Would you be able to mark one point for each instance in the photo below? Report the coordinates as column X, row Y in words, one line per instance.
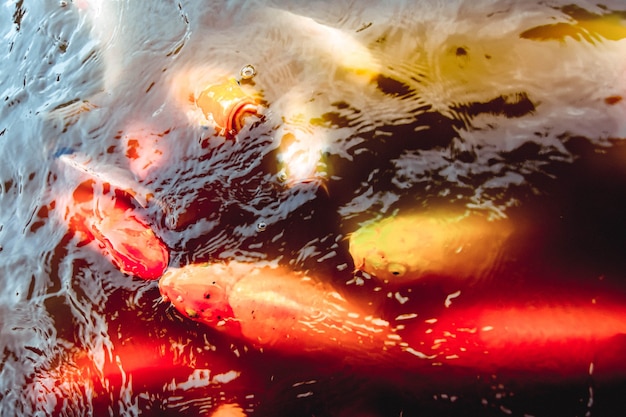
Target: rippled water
column 513, row 109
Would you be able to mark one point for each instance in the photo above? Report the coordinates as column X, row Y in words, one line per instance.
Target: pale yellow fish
column 409, row 247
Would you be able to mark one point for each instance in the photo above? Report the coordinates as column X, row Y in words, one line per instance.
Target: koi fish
column 274, row 307
column 121, row 233
column 145, row 151
column 409, row 247
column 226, row 105
column 300, row 157
column 301, row 145
column 114, row 223
column 118, row 376
column 346, row 51
column 109, row 174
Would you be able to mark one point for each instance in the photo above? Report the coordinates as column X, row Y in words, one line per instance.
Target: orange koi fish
column 274, row 307
column 131, row 374
column 94, row 210
column 226, row 105
column 557, row 336
column 119, row 230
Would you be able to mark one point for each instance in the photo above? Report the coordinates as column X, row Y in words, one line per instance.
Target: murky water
column 513, row 110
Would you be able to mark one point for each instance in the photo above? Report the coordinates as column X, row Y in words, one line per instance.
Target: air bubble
column 282, row 176
column 261, row 226
column 247, row 72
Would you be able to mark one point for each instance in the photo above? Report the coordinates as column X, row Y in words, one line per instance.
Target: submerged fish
column 106, row 173
column 301, row 157
column 286, row 311
column 274, row 307
column 556, row 334
column 94, row 210
column 410, row 247
column 121, row 232
column 227, row 105
column 128, row 371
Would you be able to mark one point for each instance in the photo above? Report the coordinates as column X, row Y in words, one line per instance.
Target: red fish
column 120, row 231
column 279, row 309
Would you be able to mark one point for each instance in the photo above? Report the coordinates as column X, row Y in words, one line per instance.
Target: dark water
column 510, row 109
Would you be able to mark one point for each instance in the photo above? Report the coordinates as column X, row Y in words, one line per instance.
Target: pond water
column 509, row 110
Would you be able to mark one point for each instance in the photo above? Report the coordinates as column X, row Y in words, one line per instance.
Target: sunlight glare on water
column 504, row 113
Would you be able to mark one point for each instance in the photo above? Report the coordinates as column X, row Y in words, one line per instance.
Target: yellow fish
column 410, row 247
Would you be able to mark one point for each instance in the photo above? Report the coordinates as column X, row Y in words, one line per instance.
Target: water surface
column 506, row 108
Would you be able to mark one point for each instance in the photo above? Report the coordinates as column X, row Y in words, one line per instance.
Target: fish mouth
column 313, row 182
column 227, row 105
column 196, row 295
column 236, row 119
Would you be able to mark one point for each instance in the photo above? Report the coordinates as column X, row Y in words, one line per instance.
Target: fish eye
column 396, row 269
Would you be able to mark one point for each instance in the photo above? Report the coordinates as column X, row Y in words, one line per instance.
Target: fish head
column 201, row 294
column 227, row 105
column 374, row 261
column 374, row 254
column 301, row 158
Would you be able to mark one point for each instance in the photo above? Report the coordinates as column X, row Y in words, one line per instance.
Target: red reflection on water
column 555, row 337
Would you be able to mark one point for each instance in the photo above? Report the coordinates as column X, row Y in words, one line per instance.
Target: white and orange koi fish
column 109, row 174
column 301, row 157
